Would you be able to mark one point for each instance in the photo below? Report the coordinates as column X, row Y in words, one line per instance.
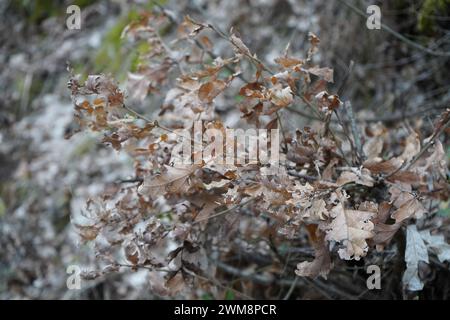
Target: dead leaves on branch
column 211, row 89
column 239, row 46
column 407, row 205
column 324, row 73
column 178, row 180
column 346, row 208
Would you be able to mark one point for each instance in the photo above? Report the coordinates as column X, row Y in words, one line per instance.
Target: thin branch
column 355, row 132
column 282, row 131
column 140, row 266
column 344, row 83
column 224, row 211
column 340, row 148
column 137, row 114
column 291, row 289
column 340, row 92
column 313, row 109
column 133, row 180
column 156, row 124
column 445, row 124
column 435, row 135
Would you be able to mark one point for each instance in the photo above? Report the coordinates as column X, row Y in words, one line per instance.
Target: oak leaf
column 407, row 205
column 281, row 97
column 208, row 91
column 173, row 180
column 351, row 228
column 325, row 73
column 415, row 252
column 357, row 176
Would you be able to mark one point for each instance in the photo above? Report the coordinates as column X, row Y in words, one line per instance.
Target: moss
column 426, row 22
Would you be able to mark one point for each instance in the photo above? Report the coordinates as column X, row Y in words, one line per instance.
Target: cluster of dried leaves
column 182, row 222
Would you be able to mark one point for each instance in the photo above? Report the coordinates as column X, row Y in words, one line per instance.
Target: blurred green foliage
column 207, row 296
column 429, row 11
column 229, row 295
column 113, row 56
column 110, row 57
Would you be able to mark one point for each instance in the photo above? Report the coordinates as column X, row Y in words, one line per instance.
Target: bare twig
column 291, row 289
column 435, row 135
column 133, row 180
column 346, row 79
column 282, row 131
column 156, row 124
column 444, row 125
column 355, row 131
column 224, row 211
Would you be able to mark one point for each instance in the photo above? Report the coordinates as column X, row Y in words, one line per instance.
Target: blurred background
column 45, row 178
